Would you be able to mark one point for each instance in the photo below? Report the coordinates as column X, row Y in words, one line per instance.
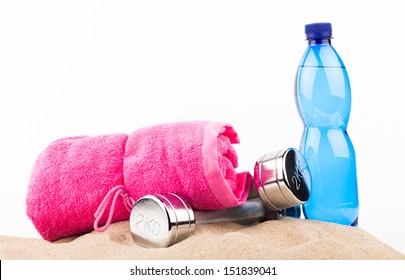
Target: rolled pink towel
column 75, row 180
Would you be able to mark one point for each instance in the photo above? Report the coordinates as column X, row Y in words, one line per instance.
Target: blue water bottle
column 324, row 99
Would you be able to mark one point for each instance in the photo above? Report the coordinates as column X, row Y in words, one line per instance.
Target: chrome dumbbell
column 281, row 180
column 163, row 220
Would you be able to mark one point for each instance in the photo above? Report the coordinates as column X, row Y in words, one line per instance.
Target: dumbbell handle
column 252, row 211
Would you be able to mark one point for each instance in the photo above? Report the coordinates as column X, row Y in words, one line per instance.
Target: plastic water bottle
column 293, row 212
column 323, row 98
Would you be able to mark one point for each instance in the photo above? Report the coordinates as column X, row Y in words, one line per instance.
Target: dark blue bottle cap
column 318, row 30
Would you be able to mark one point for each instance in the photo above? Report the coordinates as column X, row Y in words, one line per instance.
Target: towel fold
column 76, row 180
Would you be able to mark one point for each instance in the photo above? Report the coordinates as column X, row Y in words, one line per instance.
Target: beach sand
column 285, row 239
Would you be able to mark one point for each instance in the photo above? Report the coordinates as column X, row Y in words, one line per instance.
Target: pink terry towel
column 76, row 180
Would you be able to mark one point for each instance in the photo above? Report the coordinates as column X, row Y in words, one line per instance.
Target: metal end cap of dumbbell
column 282, row 179
column 158, row 221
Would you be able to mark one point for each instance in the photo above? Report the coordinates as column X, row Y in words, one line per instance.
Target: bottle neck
column 320, row 41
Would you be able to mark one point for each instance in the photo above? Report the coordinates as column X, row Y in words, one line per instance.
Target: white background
column 72, row 68
column 285, row 269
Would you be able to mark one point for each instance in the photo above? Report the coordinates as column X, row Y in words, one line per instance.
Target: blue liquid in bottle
column 293, row 212
column 323, row 98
